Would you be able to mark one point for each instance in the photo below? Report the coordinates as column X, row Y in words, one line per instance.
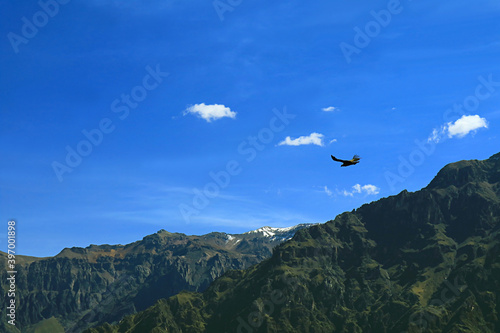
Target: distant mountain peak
column 272, row 230
column 267, row 231
column 281, row 234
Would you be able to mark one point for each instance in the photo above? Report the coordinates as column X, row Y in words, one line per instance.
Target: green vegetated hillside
column 50, row 325
column 427, row 261
column 83, row 287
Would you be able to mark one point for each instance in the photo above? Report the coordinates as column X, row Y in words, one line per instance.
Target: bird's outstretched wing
column 337, row 160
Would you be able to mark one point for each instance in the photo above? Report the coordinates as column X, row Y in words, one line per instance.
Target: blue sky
column 208, row 116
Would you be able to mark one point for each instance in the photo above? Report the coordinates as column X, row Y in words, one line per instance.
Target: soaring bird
column 355, row 160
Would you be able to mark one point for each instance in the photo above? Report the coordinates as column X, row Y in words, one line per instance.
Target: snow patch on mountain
column 279, row 234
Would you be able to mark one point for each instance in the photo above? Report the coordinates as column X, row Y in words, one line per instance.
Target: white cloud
column 371, row 189
column 459, row 128
column 357, row 188
column 327, row 191
column 210, row 112
column 465, row 125
column 332, row 141
column 312, row 139
column 436, row 135
column 366, row 189
column 330, row 109
column 350, row 194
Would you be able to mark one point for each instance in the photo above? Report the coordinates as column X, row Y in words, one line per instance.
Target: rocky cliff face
column 427, row 261
column 82, row 287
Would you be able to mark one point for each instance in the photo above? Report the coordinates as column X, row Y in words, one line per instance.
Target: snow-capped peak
column 279, row 233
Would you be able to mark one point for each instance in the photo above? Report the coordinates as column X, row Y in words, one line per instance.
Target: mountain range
column 426, row 261
column 84, row 287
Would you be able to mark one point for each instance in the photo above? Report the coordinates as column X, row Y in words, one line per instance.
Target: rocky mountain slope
column 82, row 287
column 427, row 261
